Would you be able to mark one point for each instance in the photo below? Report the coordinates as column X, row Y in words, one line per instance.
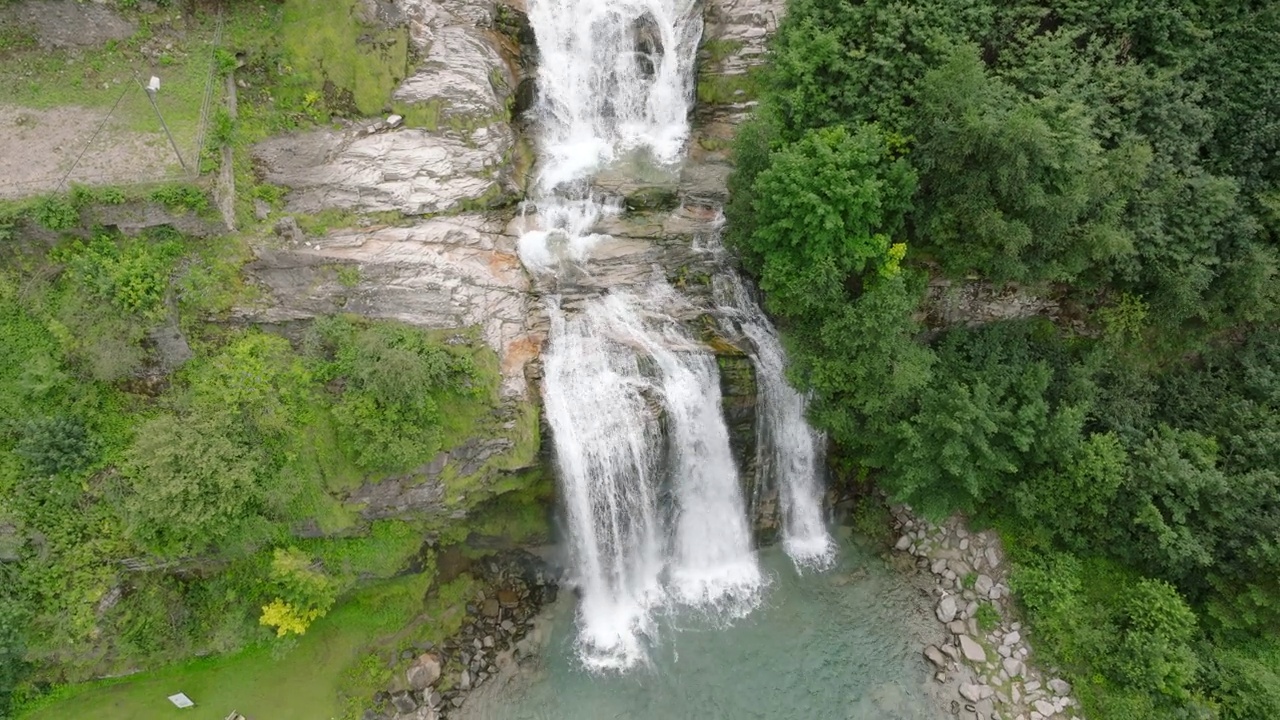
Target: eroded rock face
column 977, row 302
column 442, row 273
column 464, row 73
column 735, row 43
column 460, row 155
column 411, row 170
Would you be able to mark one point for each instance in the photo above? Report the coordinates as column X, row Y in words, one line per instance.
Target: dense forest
column 1121, row 161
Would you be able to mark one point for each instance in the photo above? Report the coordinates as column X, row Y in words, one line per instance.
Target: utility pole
column 151, row 95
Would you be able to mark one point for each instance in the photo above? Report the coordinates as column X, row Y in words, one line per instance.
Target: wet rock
column 935, row 656
column 651, row 198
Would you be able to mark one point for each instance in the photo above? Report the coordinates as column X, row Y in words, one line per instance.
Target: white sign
column 153, row 86
column 181, row 700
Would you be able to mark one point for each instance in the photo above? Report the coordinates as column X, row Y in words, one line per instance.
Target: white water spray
column 614, row 76
column 654, row 505
column 609, row 371
column 789, row 450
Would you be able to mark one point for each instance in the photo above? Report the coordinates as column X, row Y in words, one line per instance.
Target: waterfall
column 654, row 505
column 789, row 450
column 608, row 370
column 613, row 76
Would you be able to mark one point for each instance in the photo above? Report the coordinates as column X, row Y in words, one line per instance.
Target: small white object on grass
column 181, row 700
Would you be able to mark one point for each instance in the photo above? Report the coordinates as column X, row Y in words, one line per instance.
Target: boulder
column 935, row 656
column 424, row 672
column 946, row 609
column 971, row 650
column 983, row 585
column 972, row 692
column 404, row 702
column 1060, row 687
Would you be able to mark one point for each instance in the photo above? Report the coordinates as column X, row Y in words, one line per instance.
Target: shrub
column 303, row 593
column 182, row 197
column 57, row 213
column 54, row 446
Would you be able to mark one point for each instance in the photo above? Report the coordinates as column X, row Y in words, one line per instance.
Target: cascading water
column 601, row 402
column 789, row 450
column 655, row 510
column 613, row 76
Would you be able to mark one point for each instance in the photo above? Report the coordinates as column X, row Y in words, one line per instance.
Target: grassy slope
column 298, row 686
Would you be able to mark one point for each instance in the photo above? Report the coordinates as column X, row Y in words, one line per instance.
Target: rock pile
column 985, row 644
column 516, row 585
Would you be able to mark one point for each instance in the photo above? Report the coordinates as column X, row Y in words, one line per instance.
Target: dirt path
column 38, row 147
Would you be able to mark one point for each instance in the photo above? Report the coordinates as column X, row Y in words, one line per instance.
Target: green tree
column 55, row 445
column 302, row 592
column 191, row 487
column 1154, row 650
column 1015, row 187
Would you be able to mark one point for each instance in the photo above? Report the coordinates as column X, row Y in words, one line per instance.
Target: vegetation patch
column 295, row 680
column 1128, row 445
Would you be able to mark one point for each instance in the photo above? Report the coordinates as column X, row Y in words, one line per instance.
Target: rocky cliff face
column 449, row 263
column 463, row 152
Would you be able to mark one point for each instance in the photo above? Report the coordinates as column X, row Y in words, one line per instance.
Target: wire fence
column 122, row 172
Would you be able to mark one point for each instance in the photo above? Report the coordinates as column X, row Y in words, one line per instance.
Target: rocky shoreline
column 984, row 655
column 515, row 586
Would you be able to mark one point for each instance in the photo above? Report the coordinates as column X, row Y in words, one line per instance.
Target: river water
column 844, row 644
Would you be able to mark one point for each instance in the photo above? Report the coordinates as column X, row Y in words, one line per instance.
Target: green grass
column 716, row 89
column 325, row 42
column 300, row 683
column 98, row 78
